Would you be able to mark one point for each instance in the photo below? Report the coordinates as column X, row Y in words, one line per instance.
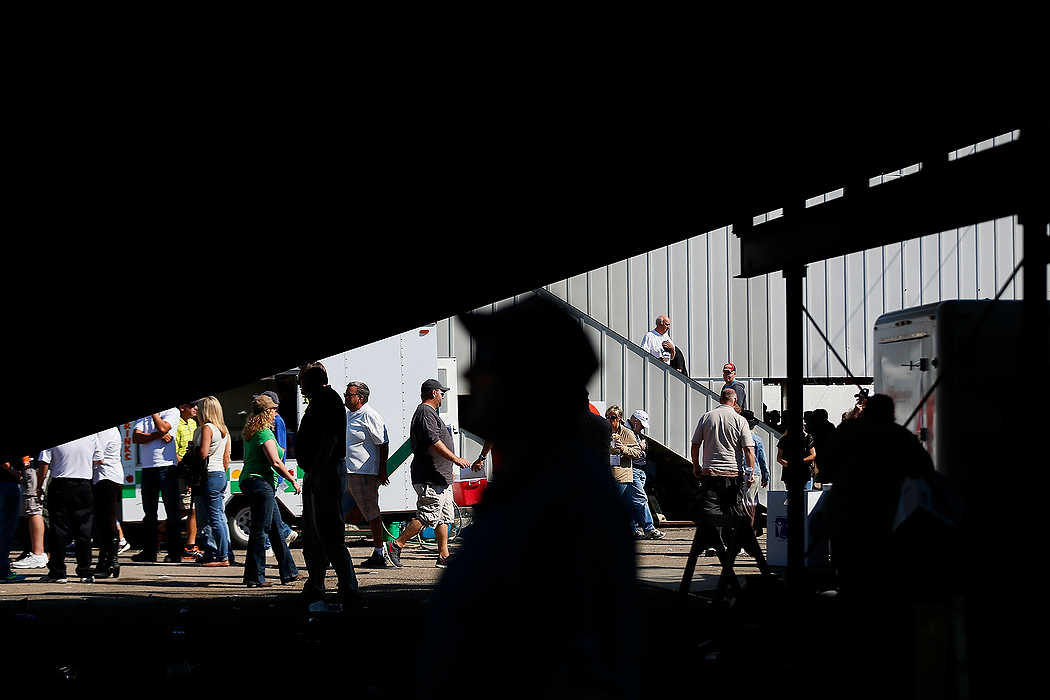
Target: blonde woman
column 623, row 449
column 262, row 464
column 212, row 442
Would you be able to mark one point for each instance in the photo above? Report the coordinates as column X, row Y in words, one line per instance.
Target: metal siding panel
column 968, row 262
column 758, row 327
column 677, row 433
column 679, row 302
column 658, row 301
column 594, row 385
column 912, row 271
column 1019, row 253
column 874, row 305
column 699, row 323
column 444, row 338
column 618, row 298
column 718, row 273
column 836, row 303
column 856, row 328
column 503, row 304
column 816, row 302
column 598, row 281
column 777, row 327
column 931, row 269
column 1005, row 260
column 893, row 279
column 949, row 264
column 986, row 287
column 577, row 286
column 613, row 372
column 654, row 402
column 638, row 298
column 635, row 395
column 559, row 289
column 464, row 351
column 739, row 313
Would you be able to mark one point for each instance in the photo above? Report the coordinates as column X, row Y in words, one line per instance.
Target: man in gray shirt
column 432, row 473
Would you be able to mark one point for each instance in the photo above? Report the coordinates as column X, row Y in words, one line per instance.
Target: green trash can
column 393, row 532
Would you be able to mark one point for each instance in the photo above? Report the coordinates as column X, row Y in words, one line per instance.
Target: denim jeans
column 262, row 503
column 213, row 532
column 281, row 526
column 624, row 492
column 161, row 482
column 10, row 496
column 639, row 502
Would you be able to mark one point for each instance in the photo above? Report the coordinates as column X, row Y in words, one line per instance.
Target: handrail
column 633, row 347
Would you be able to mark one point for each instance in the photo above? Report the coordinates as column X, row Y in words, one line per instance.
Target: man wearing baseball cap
column 432, row 475
column 729, row 375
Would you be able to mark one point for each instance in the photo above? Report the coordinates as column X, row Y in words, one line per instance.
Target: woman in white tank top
column 212, row 439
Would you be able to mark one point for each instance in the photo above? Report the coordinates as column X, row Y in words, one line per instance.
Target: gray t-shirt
column 428, row 428
column 722, row 433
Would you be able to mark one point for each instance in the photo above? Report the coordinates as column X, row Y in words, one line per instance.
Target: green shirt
column 183, row 434
column 256, row 464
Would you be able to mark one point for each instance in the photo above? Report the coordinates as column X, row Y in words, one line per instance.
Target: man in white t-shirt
column 155, row 436
column 70, row 506
column 657, row 342
column 107, row 481
column 367, row 448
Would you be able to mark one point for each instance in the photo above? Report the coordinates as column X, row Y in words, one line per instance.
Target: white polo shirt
column 158, row 453
column 365, row 431
column 71, row 460
column 107, row 450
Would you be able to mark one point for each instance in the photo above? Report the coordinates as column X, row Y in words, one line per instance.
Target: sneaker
column 173, row 559
column 12, row 577
column 144, row 557
column 376, row 561
column 638, row 534
column 52, row 579
column 654, row 534
column 290, row 538
column 33, row 561
column 87, row 579
column 123, row 546
column 394, row 552
column 192, row 554
column 442, row 562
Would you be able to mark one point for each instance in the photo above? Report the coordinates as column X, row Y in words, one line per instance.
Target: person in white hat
column 643, row 518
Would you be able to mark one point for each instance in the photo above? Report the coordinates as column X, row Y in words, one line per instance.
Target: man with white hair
column 657, row 342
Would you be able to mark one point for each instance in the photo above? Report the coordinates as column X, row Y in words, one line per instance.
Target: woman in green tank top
column 262, row 463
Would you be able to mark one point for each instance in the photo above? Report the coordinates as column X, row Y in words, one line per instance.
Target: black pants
column 71, row 507
column 161, row 483
column 107, row 505
column 324, row 534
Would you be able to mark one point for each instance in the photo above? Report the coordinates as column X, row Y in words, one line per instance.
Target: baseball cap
column 642, row 417
column 273, row 396
column 431, row 384
column 730, row 366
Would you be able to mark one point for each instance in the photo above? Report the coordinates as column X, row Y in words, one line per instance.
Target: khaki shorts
column 365, row 490
column 31, row 503
column 434, row 504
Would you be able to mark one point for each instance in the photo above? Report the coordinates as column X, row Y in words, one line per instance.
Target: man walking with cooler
column 432, row 476
column 321, row 448
column 367, row 448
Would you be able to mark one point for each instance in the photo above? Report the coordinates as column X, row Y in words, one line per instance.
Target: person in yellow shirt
column 183, row 436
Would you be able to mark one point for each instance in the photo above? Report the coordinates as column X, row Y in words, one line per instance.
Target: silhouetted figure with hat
column 553, row 502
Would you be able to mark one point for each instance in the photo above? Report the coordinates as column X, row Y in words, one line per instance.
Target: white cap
column 642, row 417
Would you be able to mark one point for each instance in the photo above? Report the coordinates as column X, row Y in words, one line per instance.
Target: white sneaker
column 87, row 579
column 33, row 561
column 123, row 546
column 48, row 579
column 290, row 538
column 270, row 554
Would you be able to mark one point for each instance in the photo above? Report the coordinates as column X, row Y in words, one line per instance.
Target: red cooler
column 468, row 492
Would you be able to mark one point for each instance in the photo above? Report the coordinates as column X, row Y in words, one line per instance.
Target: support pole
column 795, row 475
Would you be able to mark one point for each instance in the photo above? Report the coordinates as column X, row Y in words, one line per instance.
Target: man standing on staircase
column 729, row 375
column 657, row 342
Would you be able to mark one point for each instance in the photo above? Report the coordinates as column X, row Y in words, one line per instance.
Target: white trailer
column 393, row 369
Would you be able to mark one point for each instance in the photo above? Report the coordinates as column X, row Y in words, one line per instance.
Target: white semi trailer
column 393, row 369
